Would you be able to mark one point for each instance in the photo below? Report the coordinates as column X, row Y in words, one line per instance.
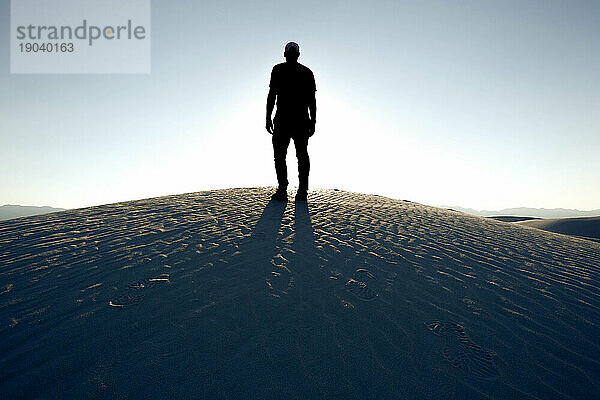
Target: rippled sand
column 223, row 294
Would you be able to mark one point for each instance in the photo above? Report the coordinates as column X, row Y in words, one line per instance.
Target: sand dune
column 224, row 294
column 511, row 218
column 585, row 227
column 529, row 212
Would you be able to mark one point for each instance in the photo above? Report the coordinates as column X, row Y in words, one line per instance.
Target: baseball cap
column 292, row 47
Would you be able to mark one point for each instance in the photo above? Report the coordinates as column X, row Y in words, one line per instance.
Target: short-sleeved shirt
column 294, row 85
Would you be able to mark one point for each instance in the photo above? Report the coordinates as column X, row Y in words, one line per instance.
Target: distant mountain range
column 529, row 212
column 10, row 211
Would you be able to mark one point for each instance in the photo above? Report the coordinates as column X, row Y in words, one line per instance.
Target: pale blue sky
column 480, row 104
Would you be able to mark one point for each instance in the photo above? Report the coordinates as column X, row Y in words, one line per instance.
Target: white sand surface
column 226, row 295
column 585, row 227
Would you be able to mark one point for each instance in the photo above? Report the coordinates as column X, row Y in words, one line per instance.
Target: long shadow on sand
column 304, row 241
column 283, row 247
column 268, row 225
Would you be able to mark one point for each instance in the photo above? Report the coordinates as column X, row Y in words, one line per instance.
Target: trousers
column 281, row 141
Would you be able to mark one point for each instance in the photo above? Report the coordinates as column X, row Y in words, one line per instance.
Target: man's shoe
column 301, row 195
column 279, row 195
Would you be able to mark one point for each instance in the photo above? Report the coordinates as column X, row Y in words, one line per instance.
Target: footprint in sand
column 136, row 291
column 460, row 351
column 281, row 279
column 360, row 290
column 363, row 275
column 280, row 282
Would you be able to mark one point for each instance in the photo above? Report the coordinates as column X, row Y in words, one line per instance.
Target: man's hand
column 269, row 125
column 311, row 128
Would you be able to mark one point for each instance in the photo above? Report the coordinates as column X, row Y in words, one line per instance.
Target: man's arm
column 270, row 106
column 312, row 107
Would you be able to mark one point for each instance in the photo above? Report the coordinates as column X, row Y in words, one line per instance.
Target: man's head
column 291, row 52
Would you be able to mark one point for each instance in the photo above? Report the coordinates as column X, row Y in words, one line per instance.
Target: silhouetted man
column 294, row 86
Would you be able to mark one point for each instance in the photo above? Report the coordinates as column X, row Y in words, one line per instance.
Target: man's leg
column 280, row 146
column 301, row 144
